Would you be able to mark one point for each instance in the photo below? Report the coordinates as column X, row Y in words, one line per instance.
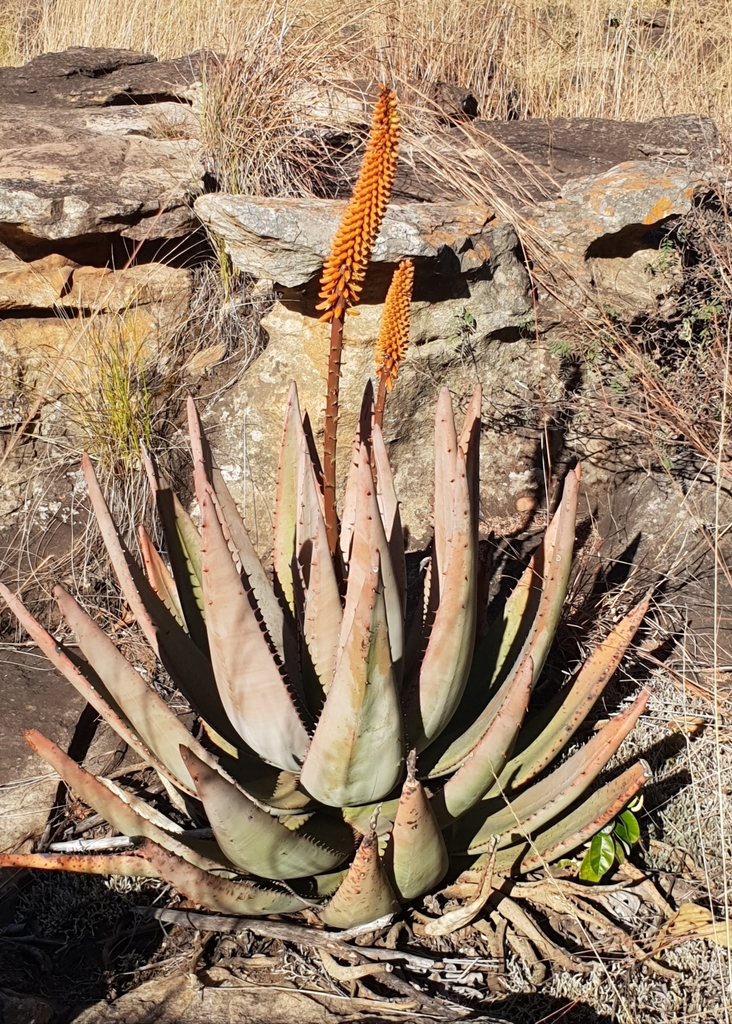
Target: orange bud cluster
column 345, row 268
column 391, row 348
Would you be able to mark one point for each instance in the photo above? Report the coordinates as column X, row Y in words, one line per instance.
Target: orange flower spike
column 346, row 266
column 391, row 347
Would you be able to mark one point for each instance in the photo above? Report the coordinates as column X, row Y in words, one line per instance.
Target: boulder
column 98, row 142
column 83, row 76
column 287, row 240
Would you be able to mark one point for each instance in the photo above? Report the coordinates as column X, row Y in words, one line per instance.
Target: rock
column 37, row 285
column 616, row 213
column 98, row 142
column 85, row 76
column 531, row 160
column 636, row 282
column 453, row 103
column 20, row 1009
column 34, row 696
column 286, row 240
column 56, row 282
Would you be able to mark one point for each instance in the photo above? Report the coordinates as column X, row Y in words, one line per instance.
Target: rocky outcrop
column 97, row 142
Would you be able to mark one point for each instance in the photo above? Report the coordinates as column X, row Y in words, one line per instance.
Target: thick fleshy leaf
column 159, row 577
column 575, row 828
column 126, row 864
column 446, row 446
column 222, row 895
column 111, row 804
column 350, row 498
column 157, row 726
column 189, row 668
column 543, row 738
column 389, row 509
column 533, row 808
column 183, row 544
column 369, row 535
column 446, row 663
column 86, row 681
column 505, row 640
column 257, row 698
column 255, row 841
column 531, row 619
column 416, row 857
column 365, row 894
column 208, row 477
column 356, row 753
column 322, row 612
column 469, row 442
column 480, row 769
column 286, row 500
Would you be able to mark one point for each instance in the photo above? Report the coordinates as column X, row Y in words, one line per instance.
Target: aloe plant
column 312, row 687
column 346, row 748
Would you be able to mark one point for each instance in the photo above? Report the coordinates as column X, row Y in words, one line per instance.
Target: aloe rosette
column 346, row 747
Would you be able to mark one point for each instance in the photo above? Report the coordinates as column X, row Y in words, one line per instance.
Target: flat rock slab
column 94, row 142
column 287, row 240
column 529, row 161
column 33, row 696
column 84, row 76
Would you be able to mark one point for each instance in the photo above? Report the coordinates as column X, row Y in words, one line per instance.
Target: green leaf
column 627, row 828
column 601, row 854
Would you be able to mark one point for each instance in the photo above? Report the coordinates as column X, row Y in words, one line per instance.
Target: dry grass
column 589, row 58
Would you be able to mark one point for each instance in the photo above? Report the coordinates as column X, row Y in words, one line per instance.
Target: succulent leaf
column 128, row 865
column 446, row 663
column 222, row 895
column 534, row 807
column 253, row 690
column 356, row 753
column 389, row 508
column 480, row 769
column 160, row 578
column 416, row 857
column 157, row 726
column 188, row 666
column 114, row 808
column 286, row 500
column 252, row 839
column 85, row 680
column 575, row 828
column 551, row 731
column 322, row 612
column 365, row 894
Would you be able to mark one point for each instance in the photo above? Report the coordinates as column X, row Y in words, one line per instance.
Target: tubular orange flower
column 391, row 348
column 345, row 268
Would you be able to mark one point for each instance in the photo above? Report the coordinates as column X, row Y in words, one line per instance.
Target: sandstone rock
column 36, row 285
column 73, row 162
column 56, row 282
column 245, row 425
column 286, row 240
column 104, row 290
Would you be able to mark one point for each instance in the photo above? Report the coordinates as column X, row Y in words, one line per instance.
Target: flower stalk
column 345, row 269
